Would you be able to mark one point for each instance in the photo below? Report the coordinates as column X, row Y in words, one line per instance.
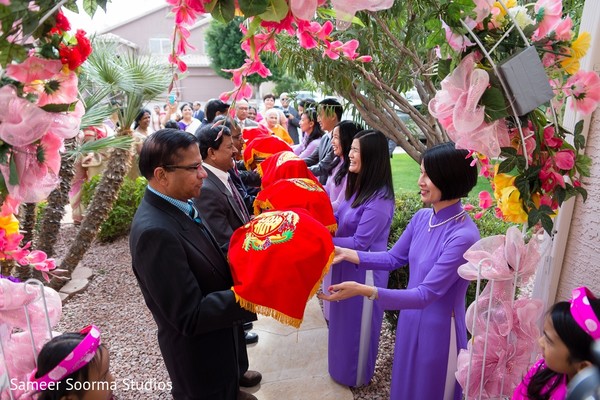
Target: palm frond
column 96, row 114
column 94, row 146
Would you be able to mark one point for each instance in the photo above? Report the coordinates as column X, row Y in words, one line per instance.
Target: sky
column 116, row 11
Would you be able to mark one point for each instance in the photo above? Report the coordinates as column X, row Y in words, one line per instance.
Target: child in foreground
column 570, row 329
column 73, row 366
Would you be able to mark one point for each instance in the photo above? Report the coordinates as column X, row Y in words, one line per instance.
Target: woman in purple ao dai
column 341, row 140
column 364, row 220
column 431, row 327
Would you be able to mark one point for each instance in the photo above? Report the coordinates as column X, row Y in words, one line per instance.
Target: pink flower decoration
column 565, row 159
column 457, row 42
column 257, row 67
column 550, row 140
column 485, row 200
column 66, row 125
column 483, row 8
column 584, row 87
column 563, row 29
column 345, row 9
column 21, row 122
column 33, row 68
column 550, row 177
column 457, row 110
column 550, row 12
column 9, row 206
column 303, row 9
column 66, row 92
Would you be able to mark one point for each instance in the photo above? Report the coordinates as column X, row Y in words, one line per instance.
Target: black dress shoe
column 248, row 326
column 251, row 337
column 250, row 379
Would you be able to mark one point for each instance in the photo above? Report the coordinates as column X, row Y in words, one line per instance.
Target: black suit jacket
column 219, row 210
column 186, row 281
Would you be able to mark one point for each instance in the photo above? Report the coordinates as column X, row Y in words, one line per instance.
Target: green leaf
column 433, row 24
column 507, row 165
column 90, row 7
column 102, row 4
column 10, row 51
column 59, row 107
column 583, row 164
column 13, row 177
column 276, row 11
column 436, row 38
column 325, row 13
column 251, row 8
column 547, row 223
column 72, row 6
column 578, row 128
column 533, row 216
column 443, row 68
column 495, row 105
column 253, row 27
column 508, row 152
column 522, row 184
column 582, row 192
column 223, row 11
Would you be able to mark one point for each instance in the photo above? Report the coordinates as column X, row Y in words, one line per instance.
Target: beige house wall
column 581, row 264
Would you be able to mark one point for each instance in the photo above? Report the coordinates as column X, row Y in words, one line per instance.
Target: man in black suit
column 221, row 205
column 183, row 275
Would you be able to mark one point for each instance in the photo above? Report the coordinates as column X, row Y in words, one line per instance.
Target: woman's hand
column 346, row 290
column 344, row 254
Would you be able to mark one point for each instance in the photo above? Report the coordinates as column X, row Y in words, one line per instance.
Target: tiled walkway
column 294, row 362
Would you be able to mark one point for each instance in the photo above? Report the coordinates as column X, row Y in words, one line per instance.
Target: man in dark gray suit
column 321, row 161
column 184, row 276
column 241, row 115
column 293, row 118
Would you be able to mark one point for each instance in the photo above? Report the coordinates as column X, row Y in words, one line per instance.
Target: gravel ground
column 114, row 302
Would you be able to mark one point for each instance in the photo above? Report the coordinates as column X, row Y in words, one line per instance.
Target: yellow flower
column 511, row 206
column 581, row 45
column 10, row 224
column 501, row 181
column 570, row 65
column 508, row 4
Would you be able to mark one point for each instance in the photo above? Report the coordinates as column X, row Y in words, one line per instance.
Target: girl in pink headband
column 570, row 329
column 73, row 366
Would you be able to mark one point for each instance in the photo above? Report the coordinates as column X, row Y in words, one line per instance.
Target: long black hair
column 375, row 172
column 346, row 132
column 317, row 132
column 53, row 352
column 578, row 342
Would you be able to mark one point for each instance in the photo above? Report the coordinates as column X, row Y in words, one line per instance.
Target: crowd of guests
column 200, row 191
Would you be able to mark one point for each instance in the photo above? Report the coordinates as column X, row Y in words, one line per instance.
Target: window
column 160, row 45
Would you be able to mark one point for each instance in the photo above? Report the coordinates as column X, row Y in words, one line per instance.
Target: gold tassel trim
column 278, row 315
column 260, row 206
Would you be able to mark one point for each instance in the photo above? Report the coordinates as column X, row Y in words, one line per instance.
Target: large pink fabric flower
column 584, row 87
column 345, row 9
column 33, row 68
column 66, row 124
column 21, row 122
column 64, row 89
column 550, row 12
column 456, row 106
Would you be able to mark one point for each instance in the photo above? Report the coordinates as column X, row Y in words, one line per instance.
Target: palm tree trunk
column 27, row 223
column 100, row 207
column 55, row 210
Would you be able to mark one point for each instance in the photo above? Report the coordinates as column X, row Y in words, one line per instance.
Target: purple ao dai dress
column 355, row 324
column 336, row 193
column 432, row 304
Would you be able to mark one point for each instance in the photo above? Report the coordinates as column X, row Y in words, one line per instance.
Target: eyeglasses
column 195, row 167
column 284, row 99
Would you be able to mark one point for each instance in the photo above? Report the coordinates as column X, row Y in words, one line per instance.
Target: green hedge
column 118, row 223
column 407, row 204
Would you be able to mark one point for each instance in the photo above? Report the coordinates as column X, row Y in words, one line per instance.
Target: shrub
column 119, row 220
column 407, row 204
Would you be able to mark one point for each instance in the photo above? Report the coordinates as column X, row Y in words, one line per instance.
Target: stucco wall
column 581, row 265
